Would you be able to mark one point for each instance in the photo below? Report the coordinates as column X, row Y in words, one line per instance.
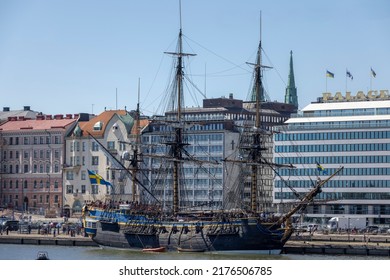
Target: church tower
column 291, row 91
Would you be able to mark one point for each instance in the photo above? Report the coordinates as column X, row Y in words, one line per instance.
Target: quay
column 339, row 244
column 39, row 239
column 332, row 244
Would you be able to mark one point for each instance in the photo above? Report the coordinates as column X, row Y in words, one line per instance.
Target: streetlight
column 48, row 185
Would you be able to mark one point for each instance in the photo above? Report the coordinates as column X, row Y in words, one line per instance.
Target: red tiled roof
column 105, row 117
column 23, row 124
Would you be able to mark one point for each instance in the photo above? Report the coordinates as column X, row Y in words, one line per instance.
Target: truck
column 344, row 223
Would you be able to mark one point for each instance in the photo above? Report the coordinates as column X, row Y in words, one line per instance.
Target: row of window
column 70, row 189
column 332, row 135
column 345, row 172
column 333, row 159
column 75, row 146
column 352, row 112
column 340, row 124
column 333, row 148
column 14, row 199
column 35, row 140
column 10, row 184
column 43, row 168
column 26, row 154
column 335, row 183
column 338, row 196
column 192, row 138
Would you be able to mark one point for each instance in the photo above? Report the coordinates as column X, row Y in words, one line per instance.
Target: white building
column 112, row 129
column 349, row 131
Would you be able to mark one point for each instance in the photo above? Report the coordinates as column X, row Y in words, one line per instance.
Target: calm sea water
column 29, row 252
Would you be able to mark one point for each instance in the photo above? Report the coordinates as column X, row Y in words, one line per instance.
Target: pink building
column 32, row 154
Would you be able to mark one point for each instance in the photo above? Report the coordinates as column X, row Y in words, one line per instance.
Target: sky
column 85, row 56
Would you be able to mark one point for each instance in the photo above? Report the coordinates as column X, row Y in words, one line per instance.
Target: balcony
column 66, row 167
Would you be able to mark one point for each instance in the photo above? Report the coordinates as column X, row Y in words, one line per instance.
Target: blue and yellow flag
column 329, row 74
column 96, row 179
column 321, row 168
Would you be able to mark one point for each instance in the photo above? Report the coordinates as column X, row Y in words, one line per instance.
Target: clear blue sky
column 63, row 56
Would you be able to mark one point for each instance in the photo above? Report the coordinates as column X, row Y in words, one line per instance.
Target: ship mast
column 255, row 149
column 134, row 162
column 177, row 144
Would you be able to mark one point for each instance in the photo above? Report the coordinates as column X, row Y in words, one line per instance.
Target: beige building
column 113, row 129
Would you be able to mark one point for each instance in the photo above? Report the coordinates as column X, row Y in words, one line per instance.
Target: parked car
column 370, row 229
column 11, row 225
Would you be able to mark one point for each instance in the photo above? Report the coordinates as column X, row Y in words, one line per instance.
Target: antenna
column 260, row 25
column 205, row 80
column 116, row 98
column 180, row 12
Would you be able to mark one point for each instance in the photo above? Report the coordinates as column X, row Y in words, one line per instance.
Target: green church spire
column 291, row 96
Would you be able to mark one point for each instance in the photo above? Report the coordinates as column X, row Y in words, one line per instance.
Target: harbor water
column 29, row 252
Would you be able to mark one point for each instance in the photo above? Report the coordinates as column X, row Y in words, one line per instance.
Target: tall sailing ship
column 159, row 217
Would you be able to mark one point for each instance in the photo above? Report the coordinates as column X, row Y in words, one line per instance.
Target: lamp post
column 48, row 175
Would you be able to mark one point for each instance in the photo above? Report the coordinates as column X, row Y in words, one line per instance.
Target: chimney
column 58, row 117
column 230, row 95
column 68, row 116
column 40, row 117
column 5, row 109
column 26, row 108
column 49, row 117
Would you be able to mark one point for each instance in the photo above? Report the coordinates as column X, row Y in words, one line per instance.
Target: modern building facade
column 214, row 133
column 352, row 131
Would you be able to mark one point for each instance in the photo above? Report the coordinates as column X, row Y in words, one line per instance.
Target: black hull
column 175, row 237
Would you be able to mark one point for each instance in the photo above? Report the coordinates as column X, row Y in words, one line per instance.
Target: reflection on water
column 29, row 252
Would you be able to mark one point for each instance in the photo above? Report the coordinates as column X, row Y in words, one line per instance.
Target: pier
column 339, row 244
column 333, row 244
column 40, row 239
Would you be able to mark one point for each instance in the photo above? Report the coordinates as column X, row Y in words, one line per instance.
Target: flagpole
column 326, row 83
column 346, row 81
column 370, row 81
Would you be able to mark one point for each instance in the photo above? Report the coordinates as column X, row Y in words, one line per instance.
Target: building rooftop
column 41, row 123
column 26, row 112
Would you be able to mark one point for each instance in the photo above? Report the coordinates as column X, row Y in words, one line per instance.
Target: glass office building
column 348, row 131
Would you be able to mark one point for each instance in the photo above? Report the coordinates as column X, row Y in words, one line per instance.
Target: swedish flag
column 96, row 179
column 321, row 168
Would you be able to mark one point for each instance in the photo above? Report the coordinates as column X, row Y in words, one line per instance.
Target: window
column 69, row 175
column 98, row 126
column 69, row 189
column 110, row 145
column 83, row 175
column 95, row 147
column 95, row 160
column 94, row 189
